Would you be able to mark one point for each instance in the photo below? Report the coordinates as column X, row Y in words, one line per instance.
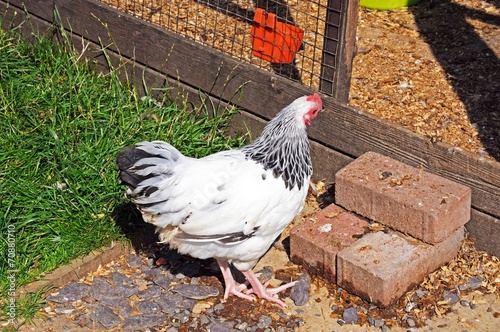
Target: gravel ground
column 135, row 294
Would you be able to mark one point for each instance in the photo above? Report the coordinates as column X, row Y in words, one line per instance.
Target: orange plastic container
column 274, row 41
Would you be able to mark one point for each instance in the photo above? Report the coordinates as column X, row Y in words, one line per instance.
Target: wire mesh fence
column 296, row 39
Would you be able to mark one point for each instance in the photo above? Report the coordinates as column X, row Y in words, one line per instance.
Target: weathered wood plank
column 485, row 229
column 41, row 9
column 14, row 17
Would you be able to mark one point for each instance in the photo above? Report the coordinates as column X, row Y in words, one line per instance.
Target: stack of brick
column 426, row 215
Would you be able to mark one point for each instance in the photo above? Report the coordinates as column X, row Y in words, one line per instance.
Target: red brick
column 410, row 200
column 315, row 243
column 380, row 267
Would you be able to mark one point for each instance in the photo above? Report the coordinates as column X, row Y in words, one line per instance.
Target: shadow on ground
column 472, row 66
column 144, row 240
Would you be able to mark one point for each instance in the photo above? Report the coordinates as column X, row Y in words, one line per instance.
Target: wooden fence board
column 14, row 17
column 354, row 132
column 485, row 229
column 340, row 133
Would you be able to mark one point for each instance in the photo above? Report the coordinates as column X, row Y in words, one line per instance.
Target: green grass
column 61, row 126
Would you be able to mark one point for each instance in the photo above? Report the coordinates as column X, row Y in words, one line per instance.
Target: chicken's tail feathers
column 144, row 161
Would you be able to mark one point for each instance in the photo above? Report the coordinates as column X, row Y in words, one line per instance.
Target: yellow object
column 387, row 4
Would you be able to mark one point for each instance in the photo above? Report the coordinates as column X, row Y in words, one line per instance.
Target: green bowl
column 387, row 4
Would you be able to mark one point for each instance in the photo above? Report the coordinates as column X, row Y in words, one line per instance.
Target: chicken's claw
column 263, row 292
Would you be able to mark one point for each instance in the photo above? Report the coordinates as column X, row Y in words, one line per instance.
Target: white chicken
column 230, row 205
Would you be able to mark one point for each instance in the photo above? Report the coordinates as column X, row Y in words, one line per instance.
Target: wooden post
column 338, row 48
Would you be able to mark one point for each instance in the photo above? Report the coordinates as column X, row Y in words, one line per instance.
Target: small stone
column 475, row 282
column 264, row 321
column 148, row 307
column 282, row 315
column 127, row 290
column 334, row 307
column 420, row 293
column 106, row 316
column 219, row 306
column 220, row 327
column 241, row 326
column 134, row 261
column 265, row 274
column 150, row 262
column 463, row 287
column 150, row 272
column 375, row 322
column 350, row 315
column 340, row 322
column 384, row 328
column 163, row 281
column 170, row 303
column 300, row 291
column 197, row 292
column 150, row 292
column 473, row 306
column 204, row 320
column 410, row 322
column 120, row 278
column 64, row 310
column 126, row 310
column 142, row 321
column 363, row 309
column 409, row 306
column 101, row 289
column 69, row 293
column 490, row 309
column 450, row 297
column 464, row 303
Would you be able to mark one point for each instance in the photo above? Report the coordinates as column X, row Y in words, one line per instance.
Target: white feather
column 216, row 196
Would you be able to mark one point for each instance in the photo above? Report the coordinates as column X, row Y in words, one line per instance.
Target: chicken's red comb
column 315, row 98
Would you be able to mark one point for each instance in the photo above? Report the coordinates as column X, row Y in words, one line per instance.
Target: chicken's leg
column 263, row 292
column 230, row 284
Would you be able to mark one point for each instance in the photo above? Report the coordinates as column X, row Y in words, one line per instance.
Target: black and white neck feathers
column 283, row 147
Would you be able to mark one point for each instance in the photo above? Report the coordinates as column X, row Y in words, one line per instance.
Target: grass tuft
column 61, row 126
